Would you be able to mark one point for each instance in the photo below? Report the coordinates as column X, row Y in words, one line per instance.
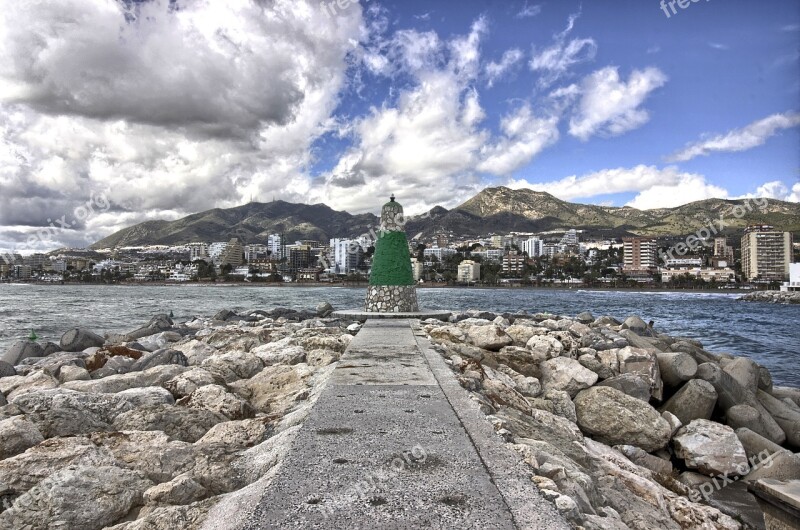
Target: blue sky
column 157, row 109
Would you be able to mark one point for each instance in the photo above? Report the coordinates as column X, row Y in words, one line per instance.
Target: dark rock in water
column 79, row 339
column 50, row 348
column 324, row 309
column 632, row 384
column 585, row 318
column 638, row 326
column 225, row 314
column 607, row 321
column 7, row 369
column 158, row 358
column 21, row 350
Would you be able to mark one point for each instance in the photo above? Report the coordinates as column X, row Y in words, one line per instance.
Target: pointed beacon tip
column 392, row 197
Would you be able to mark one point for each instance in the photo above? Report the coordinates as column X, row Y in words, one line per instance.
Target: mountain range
column 494, row 210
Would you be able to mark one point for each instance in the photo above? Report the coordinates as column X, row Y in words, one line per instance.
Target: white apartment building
column 346, row 255
column 533, row 247
column 440, row 253
column 469, row 271
column 274, row 243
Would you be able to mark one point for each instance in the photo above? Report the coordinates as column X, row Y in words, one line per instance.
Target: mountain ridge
column 493, row 210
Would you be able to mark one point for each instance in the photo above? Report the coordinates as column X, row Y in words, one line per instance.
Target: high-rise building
column 639, row 253
column 299, row 257
column 416, row 269
column 234, row 253
column 275, row 246
column 347, row 254
column 469, row 271
column 533, row 247
column 255, row 251
column 198, row 251
column 513, row 263
column 766, row 253
column 216, row 250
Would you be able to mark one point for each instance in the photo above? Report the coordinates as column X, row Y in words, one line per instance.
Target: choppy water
column 768, row 333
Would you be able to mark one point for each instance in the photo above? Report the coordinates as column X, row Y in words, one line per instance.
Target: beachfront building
column 347, row 254
column 469, row 271
column 532, row 247
column 233, row 255
column 794, row 278
column 640, row 254
column 725, row 275
column 766, row 254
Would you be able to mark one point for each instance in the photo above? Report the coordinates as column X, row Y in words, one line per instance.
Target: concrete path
column 395, row 442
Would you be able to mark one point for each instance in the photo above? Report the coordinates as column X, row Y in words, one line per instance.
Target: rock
column 73, row 373
column 745, row 372
column 179, row 423
column 632, row 384
column 756, row 445
column 695, row 400
column 115, row 365
column 244, row 433
column 49, row 348
column 674, row 422
column 764, row 379
column 275, row 389
column 520, row 360
column 786, row 417
column 216, row 399
column 354, row 328
column 561, row 404
column 189, row 381
column 618, row 419
column 158, row 341
column 785, row 392
column 21, row 350
column 321, row 357
column 743, row 416
column 502, row 394
column 637, row 325
column 116, row 383
column 234, row 366
column 592, row 362
column 521, row 334
column 644, row 362
column 448, row 334
column 545, row 347
column 7, row 369
column 16, row 435
column 183, row 489
column 160, row 358
column 585, row 318
column 3, row 402
column 778, row 466
column 731, row 393
column 277, row 353
column 225, row 314
column 79, row 339
column 490, row 337
column 324, row 309
column 563, row 373
column 196, row 351
column 711, row 448
column 89, row 498
column 541, row 425
column 16, row 386
column 676, row 368
column 641, row 458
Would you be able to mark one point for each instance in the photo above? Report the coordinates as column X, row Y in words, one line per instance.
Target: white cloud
column 776, row 189
column 719, row 46
column 610, row 106
column 655, row 187
column 554, row 61
column 753, row 135
column 495, row 71
column 524, row 136
column 172, row 110
column 528, row 11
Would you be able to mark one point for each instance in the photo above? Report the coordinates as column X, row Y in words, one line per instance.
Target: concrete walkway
column 395, row 442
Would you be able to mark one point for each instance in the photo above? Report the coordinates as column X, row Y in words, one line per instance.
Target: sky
column 114, row 112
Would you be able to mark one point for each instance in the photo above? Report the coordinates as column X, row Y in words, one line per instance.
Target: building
column 513, row 263
column 36, row 261
column 684, row 262
column 722, row 250
column 347, row 255
column 725, row 275
column 416, row 269
column 275, row 246
column 439, row 252
column 22, row 272
column 532, row 247
column 233, row 255
column 794, row 278
column 469, row 271
column 255, row 251
column 198, row 251
column 570, row 238
column 299, row 257
column 640, row 254
column 766, row 254
column 215, row 251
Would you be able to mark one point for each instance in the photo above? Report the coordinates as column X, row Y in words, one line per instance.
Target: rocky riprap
column 773, row 297
column 624, row 427
column 153, row 428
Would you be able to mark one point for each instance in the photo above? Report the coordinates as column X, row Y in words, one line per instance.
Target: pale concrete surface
column 395, row 442
column 362, row 316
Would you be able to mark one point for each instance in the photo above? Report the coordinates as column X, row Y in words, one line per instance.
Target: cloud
column 554, row 61
column 172, row 110
column 528, row 11
column 495, row 71
column 776, row 189
column 718, row 46
column 748, row 137
column 524, row 136
column 655, row 187
column 610, row 106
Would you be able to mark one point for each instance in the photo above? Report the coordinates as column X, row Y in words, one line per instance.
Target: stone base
column 391, row 299
column 363, row 316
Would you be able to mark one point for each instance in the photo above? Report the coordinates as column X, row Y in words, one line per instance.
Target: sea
column 767, row 333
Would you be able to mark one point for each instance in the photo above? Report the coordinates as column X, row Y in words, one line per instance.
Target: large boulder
column 563, row 373
column 234, row 365
column 695, row 400
column 324, row 309
column 179, row 423
column 216, row 399
column 116, row 383
column 676, row 368
column 159, row 358
column 243, row 433
column 642, row 362
column 731, row 393
column 276, row 389
column 19, row 351
column 615, row 418
column 786, row 417
column 745, row 371
column 632, row 384
column 711, row 448
column 545, row 347
column 79, row 339
column 89, row 498
column 189, row 381
column 491, row 337
column 16, row 435
column 7, row 369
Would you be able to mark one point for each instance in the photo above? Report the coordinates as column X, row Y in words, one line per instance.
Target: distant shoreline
column 365, row 284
